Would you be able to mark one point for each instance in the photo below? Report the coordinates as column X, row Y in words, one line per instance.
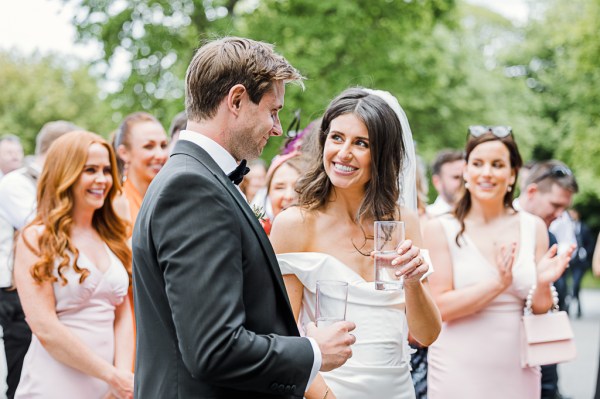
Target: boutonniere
column 259, row 212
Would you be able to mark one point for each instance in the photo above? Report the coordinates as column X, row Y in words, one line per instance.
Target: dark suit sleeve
column 197, row 233
column 552, row 239
column 589, row 242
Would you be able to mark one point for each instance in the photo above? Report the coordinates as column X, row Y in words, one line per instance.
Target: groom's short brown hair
column 221, row 64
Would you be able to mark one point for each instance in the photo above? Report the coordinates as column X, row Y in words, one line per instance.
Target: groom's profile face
column 259, row 122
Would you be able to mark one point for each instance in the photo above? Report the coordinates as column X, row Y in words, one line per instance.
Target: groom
column 213, row 317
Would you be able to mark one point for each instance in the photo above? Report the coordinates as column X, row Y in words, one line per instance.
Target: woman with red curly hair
column 71, row 278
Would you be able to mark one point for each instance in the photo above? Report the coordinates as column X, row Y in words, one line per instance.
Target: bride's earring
column 509, row 189
column 467, row 185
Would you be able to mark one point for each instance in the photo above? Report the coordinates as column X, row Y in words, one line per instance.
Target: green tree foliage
column 559, row 57
column 396, row 46
column 421, row 51
column 158, row 37
column 449, row 63
column 38, row 89
column 433, row 55
column 400, row 46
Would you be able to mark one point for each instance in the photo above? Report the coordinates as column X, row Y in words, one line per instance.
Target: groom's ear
column 235, row 98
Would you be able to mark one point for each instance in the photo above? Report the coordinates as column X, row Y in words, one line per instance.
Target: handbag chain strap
column 529, row 300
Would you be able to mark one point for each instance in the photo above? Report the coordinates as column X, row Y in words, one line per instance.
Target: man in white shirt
column 447, row 178
column 548, row 192
column 6, row 235
column 11, row 158
column 563, row 228
column 18, row 189
column 17, row 208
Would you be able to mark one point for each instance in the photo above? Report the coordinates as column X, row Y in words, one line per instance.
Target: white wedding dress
column 380, row 364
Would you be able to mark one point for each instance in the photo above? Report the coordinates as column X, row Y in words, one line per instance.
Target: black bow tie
column 238, row 173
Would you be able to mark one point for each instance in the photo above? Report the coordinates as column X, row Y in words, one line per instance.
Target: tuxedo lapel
column 198, row 153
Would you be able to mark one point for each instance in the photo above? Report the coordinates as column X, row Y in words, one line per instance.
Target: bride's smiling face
column 346, row 153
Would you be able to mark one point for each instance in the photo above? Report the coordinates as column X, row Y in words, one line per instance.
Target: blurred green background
column 450, row 64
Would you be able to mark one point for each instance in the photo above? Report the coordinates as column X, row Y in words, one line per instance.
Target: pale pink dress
column 478, row 356
column 88, row 310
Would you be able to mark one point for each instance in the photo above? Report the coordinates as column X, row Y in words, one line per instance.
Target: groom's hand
column 334, row 342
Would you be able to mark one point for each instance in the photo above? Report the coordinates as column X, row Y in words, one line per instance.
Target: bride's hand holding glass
column 409, row 263
column 412, row 264
column 415, row 276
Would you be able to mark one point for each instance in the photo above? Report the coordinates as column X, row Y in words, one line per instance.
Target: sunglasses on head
column 498, row 131
column 557, row 172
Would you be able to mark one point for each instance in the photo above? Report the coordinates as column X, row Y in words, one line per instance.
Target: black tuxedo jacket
column 213, row 317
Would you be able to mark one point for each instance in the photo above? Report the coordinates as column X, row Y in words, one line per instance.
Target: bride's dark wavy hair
column 382, row 191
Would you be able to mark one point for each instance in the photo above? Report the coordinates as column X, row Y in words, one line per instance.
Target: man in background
column 523, row 176
column 548, row 192
column 17, row 208
column 582, row 259
column 11, row 154
column 447, row 178
column 11, row 158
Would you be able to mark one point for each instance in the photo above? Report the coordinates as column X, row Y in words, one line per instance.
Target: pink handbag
column 546, row 338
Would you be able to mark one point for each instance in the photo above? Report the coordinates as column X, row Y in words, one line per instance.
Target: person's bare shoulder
column 542, row 238
column 541, row 230
column 27, row 248
column 291, row 230
column 433, row 229
column 412, row 225
column 31, row 233
column 121, row 207
column 408, row 215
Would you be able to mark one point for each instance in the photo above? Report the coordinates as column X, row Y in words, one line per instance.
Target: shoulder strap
column 451, row 227
column 528, row 231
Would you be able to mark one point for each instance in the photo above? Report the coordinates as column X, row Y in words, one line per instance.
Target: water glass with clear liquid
column 388, row 235
column 332, row 298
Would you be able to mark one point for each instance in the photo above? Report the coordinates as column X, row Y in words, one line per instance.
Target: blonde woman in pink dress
column 487, row 257
column 71, row 278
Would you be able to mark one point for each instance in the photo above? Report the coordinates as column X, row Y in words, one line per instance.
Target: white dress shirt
column 18, row 193
column 439, row 207
column 3, row 367
column 7, row 234
column 17, row 208
column 227, row 163
column 563, row 228
column 219, row 154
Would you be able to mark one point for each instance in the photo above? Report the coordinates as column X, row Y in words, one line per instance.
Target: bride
column 329, row 236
